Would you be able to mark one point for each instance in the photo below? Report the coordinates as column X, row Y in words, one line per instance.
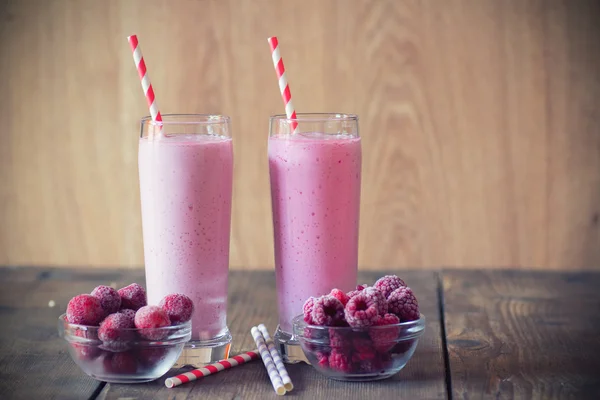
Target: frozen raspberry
column 179, row 308
column 129, row 313
column 361, row 311
column 403, row 347
column 85, row 309
column 307, row 310
column 363, row 349
column 133, row 297
column 387, row 284
column 120, row 363
column 109, row 298
column 341, row 296
column 403, row 303
column 85, row 349
column 339, row 340
column 322, row 359
column 148, row 319
column 371, row 365
column 379, row 299
column 151, row 356
column 115, row 331
column 385, row 338
column 327, row 311
column 359, row 288
column 339, row 361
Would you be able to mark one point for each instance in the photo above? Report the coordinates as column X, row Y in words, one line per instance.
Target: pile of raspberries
column 123, row 316
column 368, row 348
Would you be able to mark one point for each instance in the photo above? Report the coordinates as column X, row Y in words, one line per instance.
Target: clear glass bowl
column 358, row 354
column 132, row 358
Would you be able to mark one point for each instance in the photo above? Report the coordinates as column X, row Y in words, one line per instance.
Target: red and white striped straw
column 211, row 369
column 138, row 58
column 284, row 88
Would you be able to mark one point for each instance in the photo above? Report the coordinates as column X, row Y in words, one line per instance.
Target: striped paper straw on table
column 268, row 361
column 140, row 64
column 284, row 88
column 211, row 369
column 287, row 382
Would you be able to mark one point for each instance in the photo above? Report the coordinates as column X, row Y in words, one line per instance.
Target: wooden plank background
column 480, row 122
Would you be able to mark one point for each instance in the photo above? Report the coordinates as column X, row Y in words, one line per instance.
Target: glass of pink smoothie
column 315, row 173
column 186, row 173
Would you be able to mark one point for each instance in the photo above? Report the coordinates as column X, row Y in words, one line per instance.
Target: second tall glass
column 315, row 172
column 186, row 173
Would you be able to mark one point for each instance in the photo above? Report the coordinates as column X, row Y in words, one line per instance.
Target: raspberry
column 307, row 310
column 403, row 303
column 133, row 296
column 148, row 318
column 387, row 284
column 359, row 288
column 129, row 313
column 85, row 350
column 151, row 356
column 178, row 307
column 385, row 338
column 109, row 298
column 85, row 309
column 339, row 361
column 339, row 340
column 115, row 331
column 322, row 359
column 120, row 363
column 327, row 311
column 364, row 349
column 403, row 346
column 361, row 311
column 378, row 298
column 341, row 296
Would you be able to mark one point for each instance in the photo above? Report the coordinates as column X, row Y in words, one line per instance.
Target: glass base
column 289, row 347
column 198, row 353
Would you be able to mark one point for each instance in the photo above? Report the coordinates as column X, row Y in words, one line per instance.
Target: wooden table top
column 490, row 334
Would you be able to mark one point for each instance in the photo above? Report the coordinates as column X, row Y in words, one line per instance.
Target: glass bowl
column 358, row 354
column 132, row 358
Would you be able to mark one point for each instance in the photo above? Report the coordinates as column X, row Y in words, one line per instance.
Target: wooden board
column 522, row 334
column 252, row 301
column 479, row 118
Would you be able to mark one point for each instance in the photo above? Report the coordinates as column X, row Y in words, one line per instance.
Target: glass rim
column 185, row 325
column 316, row 117
column 193, row 119
column 298, row 321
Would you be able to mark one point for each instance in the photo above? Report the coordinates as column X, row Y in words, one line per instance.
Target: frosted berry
column 133, row 297
column 327, row 311
column 341, row 296
column 378, row 298
column 148, row 319
column 129, row 313
column 322, row 359
column 307, row 310
column 338, row 360
column 387, row 284
column 359, row 288
column 363, row 349
column 114, row 329
column 85, row 350
column 85, row 309
column 178, row 307
column 110, row 300
column 339, row 340
column 385, row 338
column 361, row 311
column 152, row 356
column 120, row 363
column 403, row 303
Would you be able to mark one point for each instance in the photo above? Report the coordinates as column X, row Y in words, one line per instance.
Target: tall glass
column 186, row 173
column 315, row 171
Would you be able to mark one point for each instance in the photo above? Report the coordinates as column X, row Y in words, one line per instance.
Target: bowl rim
column 63, row 319
column 416, row 326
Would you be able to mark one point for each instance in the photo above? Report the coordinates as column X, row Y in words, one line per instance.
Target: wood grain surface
column 252, row 300
column 522, row 335
column 480, row 122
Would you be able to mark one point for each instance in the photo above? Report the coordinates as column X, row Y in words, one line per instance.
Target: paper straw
column 284, row 88
column 138, row 59
column 211, row 369
column 268, row 361
column 287, row 382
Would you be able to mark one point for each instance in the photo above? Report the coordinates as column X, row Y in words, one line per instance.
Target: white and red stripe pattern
column 284, row 88
column 138, row 58
column 211, row 369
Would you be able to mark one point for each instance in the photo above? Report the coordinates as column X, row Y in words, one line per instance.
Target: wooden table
column 490, row 334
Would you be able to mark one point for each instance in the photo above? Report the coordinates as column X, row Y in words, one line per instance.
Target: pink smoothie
column 315, row 193
column 186, row 183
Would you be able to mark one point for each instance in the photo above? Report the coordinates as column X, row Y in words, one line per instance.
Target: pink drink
column 186, row 183
column 315, row 190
